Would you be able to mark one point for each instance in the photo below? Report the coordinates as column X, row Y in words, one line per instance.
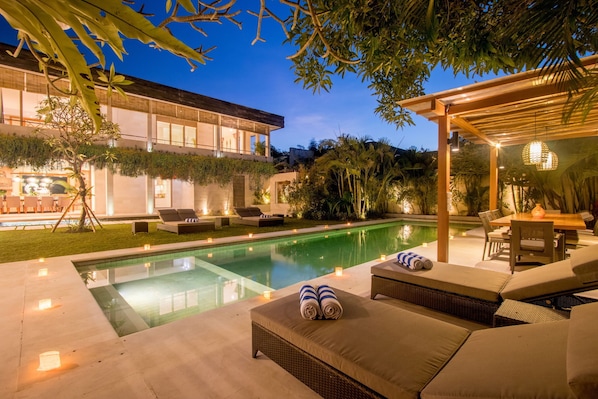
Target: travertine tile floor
column 203, row 356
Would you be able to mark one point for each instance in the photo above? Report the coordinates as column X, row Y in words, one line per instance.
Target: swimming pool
column 140, row 293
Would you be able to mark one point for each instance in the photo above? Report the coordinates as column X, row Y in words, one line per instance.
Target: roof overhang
column 509, row 110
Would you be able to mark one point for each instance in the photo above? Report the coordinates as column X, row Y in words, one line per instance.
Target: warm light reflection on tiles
column 42, row 272
column 44, row 304
column 49, row 361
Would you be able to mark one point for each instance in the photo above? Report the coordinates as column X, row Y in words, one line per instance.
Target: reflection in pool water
column 141, row 293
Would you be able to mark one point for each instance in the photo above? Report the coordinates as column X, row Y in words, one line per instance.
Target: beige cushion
column 582, row 351
column 392, row 351
column 524, row 361
column 461, row 280
column 551, row 279
column 584, row 262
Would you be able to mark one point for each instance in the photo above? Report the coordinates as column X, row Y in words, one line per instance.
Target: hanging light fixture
column 536, row 151
column 551, row 162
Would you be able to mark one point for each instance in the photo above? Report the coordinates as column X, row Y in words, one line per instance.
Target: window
column 190, row 136
column 176, row 134
column 163, row 133
column 11, row 107
column 229, row 139
column 132, row 124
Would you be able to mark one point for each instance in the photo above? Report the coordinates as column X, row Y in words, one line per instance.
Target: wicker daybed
column 253, row 216
column 376, row 350
column 181, row 221
column 476, row 294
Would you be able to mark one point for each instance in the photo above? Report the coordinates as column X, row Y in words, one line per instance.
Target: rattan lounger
column 174, row 221
column 476, row 294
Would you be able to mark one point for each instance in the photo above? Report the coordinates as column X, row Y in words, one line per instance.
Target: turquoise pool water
column 141, row 293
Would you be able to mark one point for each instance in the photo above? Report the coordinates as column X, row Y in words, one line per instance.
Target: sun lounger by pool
column 253, row 216
column 380, row 351
column 475, row 294
column 182, row 221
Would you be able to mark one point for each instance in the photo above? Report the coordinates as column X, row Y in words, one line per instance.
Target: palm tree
column 420, row 177
column 470, row 166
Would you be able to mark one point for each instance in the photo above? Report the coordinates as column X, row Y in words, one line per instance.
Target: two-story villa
column 152, row 117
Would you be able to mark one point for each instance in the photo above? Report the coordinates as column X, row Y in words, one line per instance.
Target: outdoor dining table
column 562, row 221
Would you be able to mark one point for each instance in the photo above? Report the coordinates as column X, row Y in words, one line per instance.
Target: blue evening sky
column 260, row 77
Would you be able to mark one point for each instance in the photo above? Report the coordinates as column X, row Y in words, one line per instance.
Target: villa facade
column 152, row 117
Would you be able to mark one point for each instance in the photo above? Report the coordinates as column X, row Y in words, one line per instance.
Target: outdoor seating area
column 182, row 221
column 194, row 368
column 376, row 351
column 33, row 204
column 253, row 216
column 476, row 294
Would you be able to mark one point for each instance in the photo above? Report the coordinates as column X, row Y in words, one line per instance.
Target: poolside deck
column 202, row 356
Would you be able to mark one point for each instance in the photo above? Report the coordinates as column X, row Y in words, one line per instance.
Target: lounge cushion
column 524, row 361
column 461, row 280
column 584, row 263
column 582, row 351
column 392, row 351
column 542, row 281
column 248, row 212
column 187, row 214
column 169, row 215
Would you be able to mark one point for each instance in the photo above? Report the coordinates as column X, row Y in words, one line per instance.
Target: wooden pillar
column 444, row 170
column 493, row 178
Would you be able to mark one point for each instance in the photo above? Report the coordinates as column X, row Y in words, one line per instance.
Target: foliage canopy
column 392, row 45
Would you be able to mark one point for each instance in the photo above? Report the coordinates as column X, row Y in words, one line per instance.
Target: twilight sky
column 259, row 76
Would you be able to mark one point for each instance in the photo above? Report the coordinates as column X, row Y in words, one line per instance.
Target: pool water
column 136, row 294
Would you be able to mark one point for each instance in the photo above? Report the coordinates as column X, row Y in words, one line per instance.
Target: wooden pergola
column 505, row 111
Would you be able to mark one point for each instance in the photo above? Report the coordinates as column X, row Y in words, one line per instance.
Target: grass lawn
column 19, row 245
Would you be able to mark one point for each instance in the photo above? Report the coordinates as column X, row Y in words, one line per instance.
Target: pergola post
column 493, row 177
column 444, row 170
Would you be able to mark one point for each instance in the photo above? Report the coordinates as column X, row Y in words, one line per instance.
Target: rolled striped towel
column 331, row 307
column 309, row 303
column 414, row 261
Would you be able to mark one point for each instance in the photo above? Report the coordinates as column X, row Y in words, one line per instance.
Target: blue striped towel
column 331, row 307
column 413, row 261
column 309, row 303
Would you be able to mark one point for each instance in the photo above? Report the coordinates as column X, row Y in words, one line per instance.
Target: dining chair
column 30, row 202
column 63, row 202
column 495, row 214
column 494, row 238
column 13, row 201
column 535, row 239
column 47, row 203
